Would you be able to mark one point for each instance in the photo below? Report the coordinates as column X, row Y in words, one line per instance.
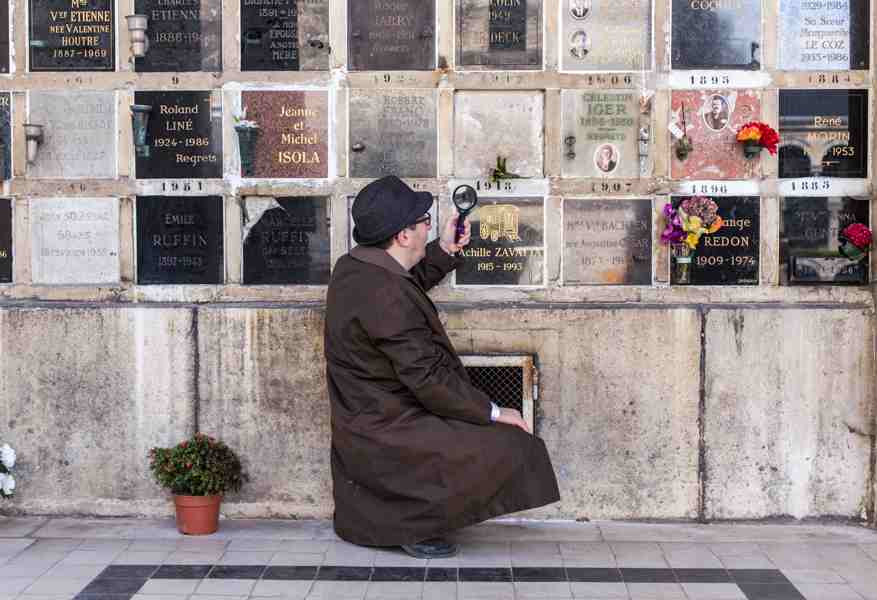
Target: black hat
column 385, row 207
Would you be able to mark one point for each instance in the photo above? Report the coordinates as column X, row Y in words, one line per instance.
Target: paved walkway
column 121, row 559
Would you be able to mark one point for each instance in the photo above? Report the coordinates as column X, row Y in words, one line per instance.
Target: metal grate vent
column 510, row 381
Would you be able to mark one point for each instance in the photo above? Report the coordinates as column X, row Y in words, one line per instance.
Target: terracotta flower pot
column 197, row 515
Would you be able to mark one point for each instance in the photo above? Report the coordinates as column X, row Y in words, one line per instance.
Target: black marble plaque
column 809, row 232
column 5, row 240
column 386, row 35
column 5, row 135
column 184, row 35
column 729, row 256
column 288, row 243
column 716, row 34
column 184, row 136
column 4, row 37
column 179, row 240
column 823, row 133
column 72, row 35
column 508, row 244
column 507, row 25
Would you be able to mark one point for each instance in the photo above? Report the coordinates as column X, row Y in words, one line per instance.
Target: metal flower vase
column 247, row 137
column 751, row 149
column 851, row 251
column 682, row 263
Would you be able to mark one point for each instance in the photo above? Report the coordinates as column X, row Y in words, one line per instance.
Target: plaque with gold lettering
column 179, row 240
column 183, row 136
column 809, row 239
column 391, row 35
column 5, row 135
column 393, row 132
column 504, row 34
column 508, row 244
column 730, row 256
column 284, row 35
column 716, row 34
column 711, row 119
column 293, row 133
column 184, row 35
column 607, row 242
column 4, row 37
column 823, row 133
column 72, row 35
column 824, row 36
column 5, row 240
column 286, row 241
column 605, row 36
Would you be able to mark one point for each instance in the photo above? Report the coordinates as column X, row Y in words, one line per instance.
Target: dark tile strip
column 398, row 574
column 128, row 571
column 344, row 574
column 182, row 572
column 290, row 573
column 442, row 574
column 757, row 576
column 237, row 572
column 702, row 576
column 648, row 575
column 593, row 574
column 770, row 591
column 487, row 574
column 539, row 574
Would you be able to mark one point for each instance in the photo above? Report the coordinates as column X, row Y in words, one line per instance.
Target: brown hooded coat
column 414, row 453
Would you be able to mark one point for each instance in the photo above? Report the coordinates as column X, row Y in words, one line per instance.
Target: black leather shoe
column 434, row 548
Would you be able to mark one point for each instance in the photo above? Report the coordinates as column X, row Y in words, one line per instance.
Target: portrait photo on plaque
column 730, row 255
column 285, row 35
column 601, row 133
column 499, row 34
column 184, row 35
column 823, row 133
column 716, row 34
column 607, row 242
column 605, row 36
column 5, row 135
column 399, row 35
column 812, row 250
column 711, row 119
column 824, row 36
column 286, row 241
column 292, row 140
column 507, row 247
column 5, row 240
column 393, row 132
column 183, row 135
column 433, row 222
column 180, row 240
column 72, row 35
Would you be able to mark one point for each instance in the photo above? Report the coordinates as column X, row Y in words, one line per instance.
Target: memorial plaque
column 499, row 33
column 809, row 232
column 5, row 135
column 824, row 36
column 607, row 242
column 293, row 133
column 388, row 35
column 184, row 35
column 5, row 240
column 286, row 241
column 508, row 244
column 491, row 125
column 606, row 36
column 74, row 241
column 4, row 37
column 433, row 226
column 284, row 35
column 184, row 135
column 716, row 34
column 711, row 119
column 79, row 134
column 730, row 255
column 72, row 35
column 179, row 240
column 823, row 133
column 393, row 133
column 600, row 133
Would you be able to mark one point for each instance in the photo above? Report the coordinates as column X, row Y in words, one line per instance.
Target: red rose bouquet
column 756, row 135
column 855, row 241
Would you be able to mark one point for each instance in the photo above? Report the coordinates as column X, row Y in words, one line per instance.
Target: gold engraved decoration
column 499, row 221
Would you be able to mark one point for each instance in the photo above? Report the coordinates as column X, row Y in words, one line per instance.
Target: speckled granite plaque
column 824, row 35
column 716, row 34
column 712, row 118
column 499, row 33
column 294, row 129
column 393, row 133
column 605, row 36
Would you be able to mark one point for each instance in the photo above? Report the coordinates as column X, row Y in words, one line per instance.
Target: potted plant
column 756, row 135
column 198, row 471
column 7, row 462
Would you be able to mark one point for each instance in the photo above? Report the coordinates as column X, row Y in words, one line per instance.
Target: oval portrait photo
column 716, row 113
column 606, row 158
column 580, row 9
column 580, row 44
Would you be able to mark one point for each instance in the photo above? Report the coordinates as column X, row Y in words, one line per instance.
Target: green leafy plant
column 500, row 172
column 200, row 466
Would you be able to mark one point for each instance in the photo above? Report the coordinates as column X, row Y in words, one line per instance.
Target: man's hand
column 447, row 237
column 510, row 416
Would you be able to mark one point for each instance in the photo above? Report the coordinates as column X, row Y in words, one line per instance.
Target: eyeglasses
column 424, row 219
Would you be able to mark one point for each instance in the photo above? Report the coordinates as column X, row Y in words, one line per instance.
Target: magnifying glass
column 465, row 199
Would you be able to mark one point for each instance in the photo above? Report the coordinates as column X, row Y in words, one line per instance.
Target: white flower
column 7, row 456
column 7, row 484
